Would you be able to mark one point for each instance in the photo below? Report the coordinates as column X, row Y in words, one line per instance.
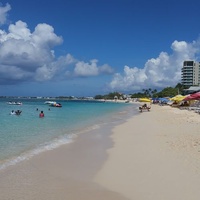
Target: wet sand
column 63, row 173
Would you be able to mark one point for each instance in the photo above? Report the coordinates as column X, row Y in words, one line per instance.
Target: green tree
column 153, row 92
column 180, row 88
column 99, row 96
column 167, row 92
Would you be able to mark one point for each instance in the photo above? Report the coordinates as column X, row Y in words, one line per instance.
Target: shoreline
column 64, row 136
column 150, row 156
column 63, row 172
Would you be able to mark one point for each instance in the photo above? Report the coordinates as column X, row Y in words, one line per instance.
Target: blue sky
column 89, row 47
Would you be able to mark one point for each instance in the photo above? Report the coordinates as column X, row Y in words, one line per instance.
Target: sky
column 89, row 47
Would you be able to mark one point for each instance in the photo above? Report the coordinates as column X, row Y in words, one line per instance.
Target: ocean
column 25, row 135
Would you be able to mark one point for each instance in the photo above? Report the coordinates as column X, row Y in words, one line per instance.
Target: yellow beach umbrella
column 177, row 98
column 144, row 100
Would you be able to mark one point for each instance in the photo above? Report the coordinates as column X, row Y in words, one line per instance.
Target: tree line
column 147, row 93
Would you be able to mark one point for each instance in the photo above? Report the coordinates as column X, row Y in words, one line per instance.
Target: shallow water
column 25, row 135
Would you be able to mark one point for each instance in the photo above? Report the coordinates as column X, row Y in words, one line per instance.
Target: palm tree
column 153, row 92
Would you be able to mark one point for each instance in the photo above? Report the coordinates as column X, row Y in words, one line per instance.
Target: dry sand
column 156, row 156
column 152, row 156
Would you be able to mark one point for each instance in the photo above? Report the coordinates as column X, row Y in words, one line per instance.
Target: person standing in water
column 41, row 114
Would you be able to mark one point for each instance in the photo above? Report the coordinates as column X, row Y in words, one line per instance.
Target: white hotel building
column 191, row 73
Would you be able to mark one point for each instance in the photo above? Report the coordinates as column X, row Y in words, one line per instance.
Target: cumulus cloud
column 106, row 69
column 4, row 13
column 56, row 68
column 26, row 52
column 86, row 69
column 26, row 55
column 165, row 70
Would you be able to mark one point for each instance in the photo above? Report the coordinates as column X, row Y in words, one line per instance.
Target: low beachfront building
column 191, row 90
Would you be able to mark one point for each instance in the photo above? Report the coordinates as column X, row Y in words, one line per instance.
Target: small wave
column 62, row 140
column 42, row 148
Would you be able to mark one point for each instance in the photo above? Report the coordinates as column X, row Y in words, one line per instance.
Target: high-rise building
column 191, row 73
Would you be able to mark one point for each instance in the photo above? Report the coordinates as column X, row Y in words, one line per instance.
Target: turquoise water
column 26, row 135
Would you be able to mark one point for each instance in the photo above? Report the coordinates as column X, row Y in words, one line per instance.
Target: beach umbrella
column 144, row 100
column 164, row 100
column 195, row 96
column 177, row 98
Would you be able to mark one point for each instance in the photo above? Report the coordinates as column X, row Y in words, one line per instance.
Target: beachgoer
column 145, row 105
column 41, row 114
column 18, row 112
column 13, row 112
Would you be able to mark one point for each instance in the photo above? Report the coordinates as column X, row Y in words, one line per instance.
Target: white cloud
column 26, row 55
column 13, row 74
column 4, row 13
column 32, row 53
column 47, row 72
column 127, row 80
column 45, row 37
column 106, row 69
column 86, row 69
column 165, row 70
column 19, row 31
column 27, row 51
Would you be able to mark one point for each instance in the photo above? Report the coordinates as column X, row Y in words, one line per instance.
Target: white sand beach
column 152, row 156
column 155, row 156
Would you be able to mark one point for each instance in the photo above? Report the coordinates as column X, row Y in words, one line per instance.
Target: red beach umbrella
column 195, row 96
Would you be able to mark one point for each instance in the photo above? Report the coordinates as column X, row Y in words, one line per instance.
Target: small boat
column 56, row 105
column 14, row 103
column 50, row 102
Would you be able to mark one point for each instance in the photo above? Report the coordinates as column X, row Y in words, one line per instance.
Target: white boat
column 50, row 102
column 14, row 103
column 56, row 105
